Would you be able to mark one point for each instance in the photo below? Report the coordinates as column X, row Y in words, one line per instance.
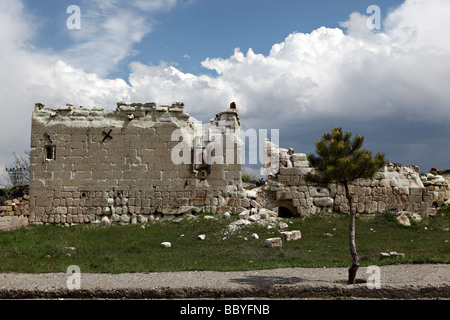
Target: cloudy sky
column 302, row 67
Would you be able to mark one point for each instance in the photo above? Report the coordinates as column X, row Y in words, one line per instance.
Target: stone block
column 273, row 242
column 61, row 210
column 404, row 182
column 323, row 202
column 301, row 164
column 255, row 204
column 319, row 192
column 244, row 214
column 284, row 178
column 290, row 235
column 404, row 220
column 416, row 191
column 251, row 194
column 289, row 171
column 299, row 157
column 125, row 218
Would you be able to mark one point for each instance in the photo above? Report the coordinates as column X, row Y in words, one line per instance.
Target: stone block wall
column 132, row 164
column 14, row 209
column 392, row 188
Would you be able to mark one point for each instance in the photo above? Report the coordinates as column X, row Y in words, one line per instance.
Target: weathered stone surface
column 255, row 204
column 106, row 220
column 12, row 222
column 244, row 214
column 121, row 164
column 251, row 194
column 403, row 220
column 125, row 218
column 273, row 242
column 254, row 217
column 125, row 163
column 290, row 235
column 323, row 202
column 393, row 188
column 283, row 225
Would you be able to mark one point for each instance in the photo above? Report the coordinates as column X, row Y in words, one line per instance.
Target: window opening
column 50, row 153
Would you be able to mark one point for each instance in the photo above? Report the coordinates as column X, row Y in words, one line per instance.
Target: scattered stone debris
column 385, row 255
column 255, row 215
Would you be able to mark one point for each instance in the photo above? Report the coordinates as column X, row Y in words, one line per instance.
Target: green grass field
column 137, row 248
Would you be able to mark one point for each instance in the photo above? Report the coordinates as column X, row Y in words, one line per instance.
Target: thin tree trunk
column 355, row 259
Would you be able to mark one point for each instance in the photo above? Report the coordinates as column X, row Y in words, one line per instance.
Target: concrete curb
column 279, row 292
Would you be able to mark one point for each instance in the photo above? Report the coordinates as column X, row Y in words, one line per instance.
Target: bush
column 246, row 177
column 251, row 178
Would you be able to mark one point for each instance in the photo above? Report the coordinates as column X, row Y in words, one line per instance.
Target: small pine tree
column 341, row 160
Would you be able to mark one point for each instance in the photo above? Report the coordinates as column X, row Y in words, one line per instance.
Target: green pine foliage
column 340, row 159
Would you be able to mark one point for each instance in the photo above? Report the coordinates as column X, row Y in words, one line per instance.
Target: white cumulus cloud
column 398, row 75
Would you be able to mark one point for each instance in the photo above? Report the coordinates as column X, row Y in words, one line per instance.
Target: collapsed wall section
column 139, row 162
column 394, row 188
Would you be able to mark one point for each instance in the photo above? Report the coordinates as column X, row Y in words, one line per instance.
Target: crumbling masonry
column 142, row 161
column 393, row 188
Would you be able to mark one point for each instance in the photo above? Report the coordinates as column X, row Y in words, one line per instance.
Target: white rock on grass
column 283, row 225
column 290, row 235
column 201, row 237
column 166, row 244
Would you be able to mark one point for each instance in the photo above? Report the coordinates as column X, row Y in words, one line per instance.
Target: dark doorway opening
column 284, row 212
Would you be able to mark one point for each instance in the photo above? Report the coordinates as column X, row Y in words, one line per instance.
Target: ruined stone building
column 393, row 188
column 133, row 164
column 143, row 161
